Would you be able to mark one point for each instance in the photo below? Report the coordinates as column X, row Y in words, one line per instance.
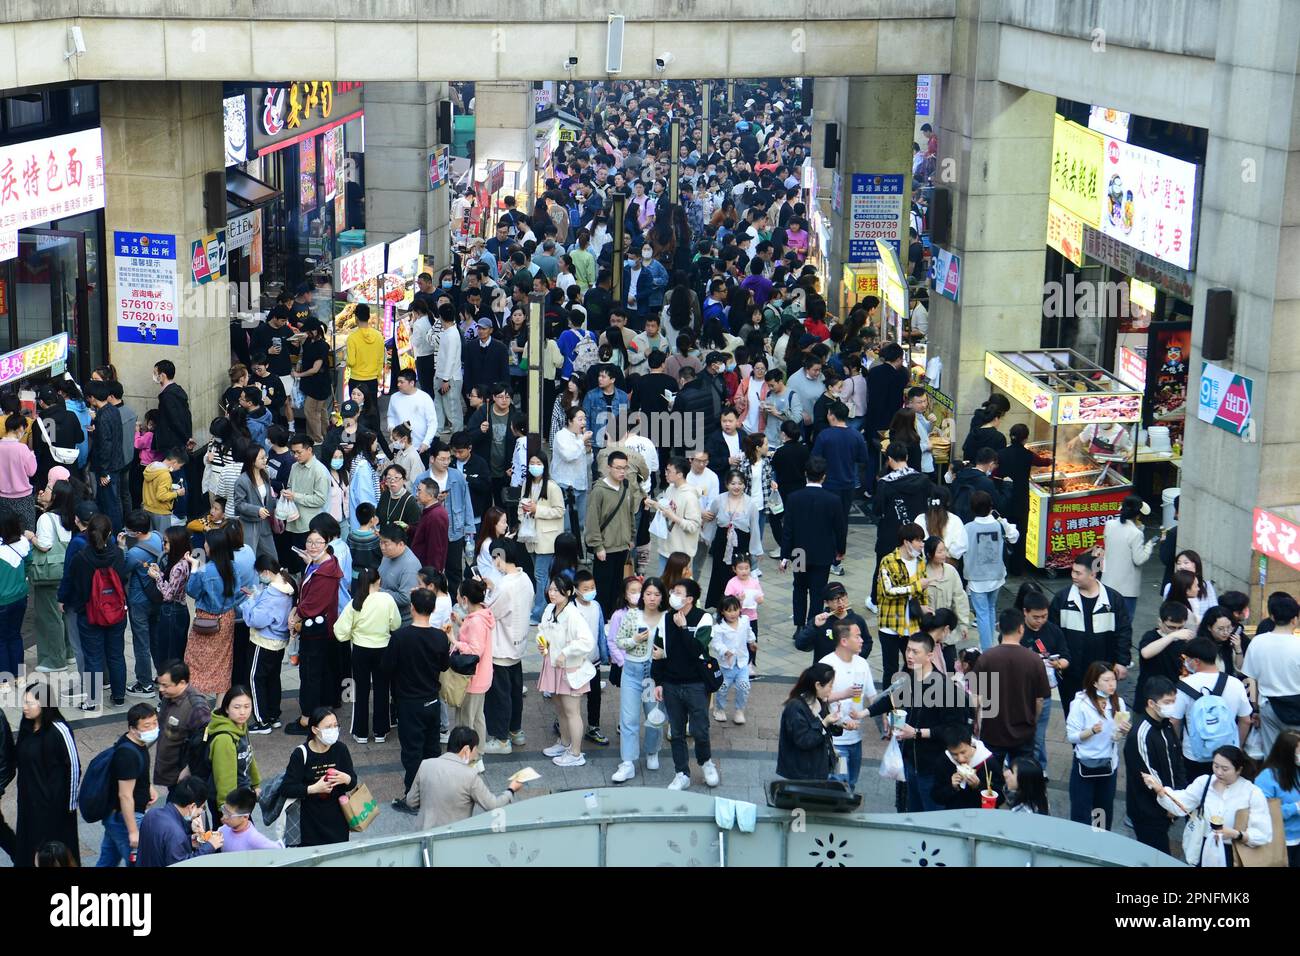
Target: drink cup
column 857, row 693
column 988, row 800
column 898, row 718
column 1216, row 822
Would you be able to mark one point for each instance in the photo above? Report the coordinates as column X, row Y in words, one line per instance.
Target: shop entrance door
column 50, row 293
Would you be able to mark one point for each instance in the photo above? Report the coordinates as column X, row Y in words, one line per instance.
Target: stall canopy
column 1062, row 387
column 246, row 192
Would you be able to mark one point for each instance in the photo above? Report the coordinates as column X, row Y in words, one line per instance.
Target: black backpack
column 198, row 753
column 97, row 797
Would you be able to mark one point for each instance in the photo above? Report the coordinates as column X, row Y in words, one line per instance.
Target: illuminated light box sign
column 51, row 353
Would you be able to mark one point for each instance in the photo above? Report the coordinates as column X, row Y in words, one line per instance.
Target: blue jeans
column 852, row 754
column 580, row 505
column 116, row 848
column 630, row 711
column 11, row 637
column 919, row 788
column 734, row 677
column 984, row 605
column 105, row 653
column 172, row 633
column 541, row 577
column 1040, row 734
column 109, row 499
column 1132, row 604
column 1091, row 794
column 144, row 637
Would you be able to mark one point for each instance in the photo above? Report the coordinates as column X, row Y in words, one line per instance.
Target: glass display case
column 1084, row 433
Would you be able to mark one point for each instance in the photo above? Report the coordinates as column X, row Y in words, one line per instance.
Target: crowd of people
column 415, row 547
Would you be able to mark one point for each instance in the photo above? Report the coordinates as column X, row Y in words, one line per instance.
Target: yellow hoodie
column 365, row 354
column 158, row 494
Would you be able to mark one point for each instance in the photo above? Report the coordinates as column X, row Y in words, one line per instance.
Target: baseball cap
column 303, row 289
column 484, row 323
column 835, row 590
column 715, row 358
column 350, row 410
column 85, row 511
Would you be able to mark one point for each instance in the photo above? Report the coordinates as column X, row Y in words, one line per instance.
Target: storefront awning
column 245, row 192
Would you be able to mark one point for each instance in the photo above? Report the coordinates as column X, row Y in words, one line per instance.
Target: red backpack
column 107, row 604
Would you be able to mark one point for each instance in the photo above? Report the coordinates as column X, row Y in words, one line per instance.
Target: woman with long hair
column 367, row 622
column 735, row 522
column 1279, row 779
column 568, row 556
column 677, row 567
column 49, row 777
column 209, row 651
column 570, row 397
column 761, row 487
column 1185, row 588
column 1016, row 461
column 172, row 577
column 515, row 335
column 541, row 521
column 1097, row 722
column 805, row 747
column 54, row 530
column 1219, row 626
column 222, row 463
column 494, row 526
column 337, row 507
column 945, row 591
column 255, row 502
column 1195, row 592
column 679, row 313
column 1026, row 786
column 1125, row 551
column 942, row 523
column 101, row 643
column 362, row 465
column 474, row 637
column 566, row 643
column 635, row 627
column 984, row 424
column 903, row 429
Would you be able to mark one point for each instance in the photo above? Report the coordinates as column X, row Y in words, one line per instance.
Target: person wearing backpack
column 123, row 779
column 1212, row 709
column 230, row 750
column 577, row 344
column 144, row 599
column 96, row 594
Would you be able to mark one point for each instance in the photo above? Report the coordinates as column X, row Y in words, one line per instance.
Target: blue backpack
column 97, row 797
column 1208, row 724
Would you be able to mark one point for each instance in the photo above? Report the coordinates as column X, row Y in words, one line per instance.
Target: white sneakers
column 739, row 718
column 625, row 772
column 497, row 747
column 720, row 715
column 680, row 782
column 710, row 773
column 567, row 759
column 652, row 761
column 555, row 749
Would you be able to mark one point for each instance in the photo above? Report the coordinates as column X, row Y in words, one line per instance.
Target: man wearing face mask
column 1152, row 748
column 167, row 834
column 130, row 791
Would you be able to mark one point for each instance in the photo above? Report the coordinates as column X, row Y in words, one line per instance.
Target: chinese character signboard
column 1077, row 155
column 239, row 231
column 357, row 268
column 1275, row 537
column 947, row 274
column 923, row 82
column 875, row 212
column 48, row 179
column 1065, row 232
column 1059, row 528
column 1029, row 393
column 8, row 245
column 1131, row 367
column 1225, row 399
column 404, row 252
column 208, row 257
column 37, row 357
column 1149, row 201
column 861, row 281
column 145, row 264
column 329, row 168
column 284, row 115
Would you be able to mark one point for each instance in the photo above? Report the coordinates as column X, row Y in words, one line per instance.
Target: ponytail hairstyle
column 936, row 512
column 365, row 579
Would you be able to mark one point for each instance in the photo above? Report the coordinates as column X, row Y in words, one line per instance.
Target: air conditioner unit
column 614, row 46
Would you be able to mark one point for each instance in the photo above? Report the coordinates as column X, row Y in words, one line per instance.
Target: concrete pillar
column 1250, row 223
column 503, row 130
column 401, row 132
column 876, row 137
column 159, row 141
column 830, row 105
column 995, row 149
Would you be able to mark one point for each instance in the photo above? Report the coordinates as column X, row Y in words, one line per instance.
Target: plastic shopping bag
column 891, row 764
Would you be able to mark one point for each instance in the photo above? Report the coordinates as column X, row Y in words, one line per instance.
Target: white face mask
column 676, row 602
column 1168, row 710
column 149, row 736
column 587, row 596
column 329, row 736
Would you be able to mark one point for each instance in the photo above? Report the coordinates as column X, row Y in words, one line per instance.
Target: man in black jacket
column 486, row 360
column 477, row 474
column 1095, row 621
column 901, row 497
column 817, row 635
column 1044, row 637
column 979, row 477
column 175, row 428
column 724, row 446
column 1152, row 748
column 106, row 458
column 954, row 791
column 62, row 427
column 886, row 384
column 705, row 396
column 814, row 537
column 677, row 669
column 414, row 661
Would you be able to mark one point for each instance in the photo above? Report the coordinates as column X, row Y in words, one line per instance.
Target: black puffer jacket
column 805, row 750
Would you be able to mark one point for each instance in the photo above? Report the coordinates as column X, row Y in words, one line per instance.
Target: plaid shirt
column 893, row 607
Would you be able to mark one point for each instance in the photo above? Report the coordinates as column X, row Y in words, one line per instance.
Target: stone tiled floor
column 746, row 756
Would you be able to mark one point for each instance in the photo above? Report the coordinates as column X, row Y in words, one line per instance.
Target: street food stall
column 1084, row 423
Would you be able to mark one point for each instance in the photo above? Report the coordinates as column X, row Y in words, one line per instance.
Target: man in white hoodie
column 511, row 603
column 413, row 407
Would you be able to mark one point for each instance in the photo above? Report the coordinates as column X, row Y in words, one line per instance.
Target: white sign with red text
column 1149, row 201
column 47, row 179
column 360, row 266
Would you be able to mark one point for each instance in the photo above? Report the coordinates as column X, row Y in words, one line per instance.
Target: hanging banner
column 1150, row 201
column 893, row 285
column 208, row 257
column 329, row 170
column 255, row 247
column 875, row 212
column 1077, row 155
column 145, row 264
column 1225, row 399
column 1065, row 232
column 403, row 253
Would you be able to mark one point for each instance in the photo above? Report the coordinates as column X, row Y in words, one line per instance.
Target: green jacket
column 603, row 507
column 311, row 493
column 233, row 763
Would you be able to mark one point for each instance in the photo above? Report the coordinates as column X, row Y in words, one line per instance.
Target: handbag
column 1272, row 853
column 711, row 671
column 454, row 687
column 64, row 456
column 359, row 808
column 46, row 567
column 464, row 664
column 205, row 625
column 1093, row 767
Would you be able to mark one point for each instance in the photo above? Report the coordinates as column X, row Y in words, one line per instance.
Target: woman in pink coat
column 475, row 637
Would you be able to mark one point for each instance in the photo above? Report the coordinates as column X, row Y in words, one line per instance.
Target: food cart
column 1084, row 422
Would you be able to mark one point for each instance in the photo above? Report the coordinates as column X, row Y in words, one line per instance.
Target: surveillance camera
column 571, row 63
column 78, row 43
column 662, row 61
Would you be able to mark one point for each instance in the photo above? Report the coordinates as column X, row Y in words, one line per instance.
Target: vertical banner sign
column 146, row 288
column 875, row 212
column 208, row 257
column 8, row 244
column 1225, row 399
column 340, row 184
column 328, row 162
column 1076, row 185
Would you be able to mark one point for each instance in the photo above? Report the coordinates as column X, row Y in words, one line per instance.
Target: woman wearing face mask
column 319, row 772
column 635, row 626
column 338, row 505
column 1220, row 797
column 1280, row 780
column 229, row 748
column 266, row 613
column 1096, row 725
column 541, row 520
column 566, row 643
column 313, row 622
column 474, row 637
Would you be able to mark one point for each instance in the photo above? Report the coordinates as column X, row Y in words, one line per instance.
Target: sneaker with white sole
column 720, row 715
column 680, row 782
column 871, row 606
column 518, row 739
column 710, row 773
column 652, row 761
column 379, row 739
column 739, row 718
column 499, row 748
column 361, row 740
column 567, row 759
column 554, row 750
column 837, row 569
column 625, row 772
column 42, row 669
